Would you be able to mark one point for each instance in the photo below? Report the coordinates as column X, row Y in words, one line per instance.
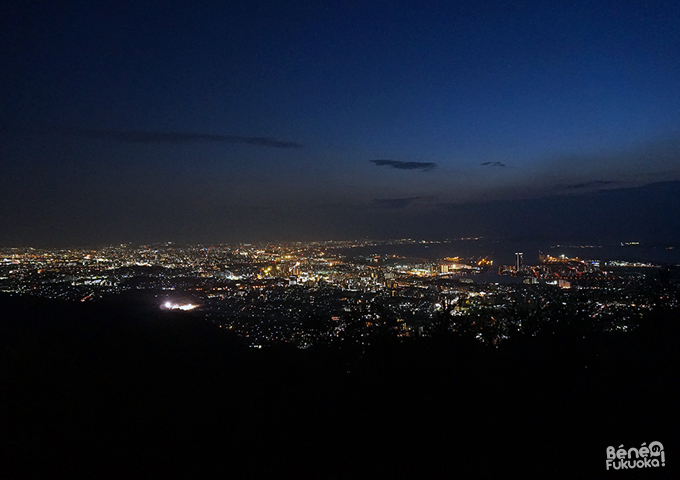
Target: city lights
column 345, row 291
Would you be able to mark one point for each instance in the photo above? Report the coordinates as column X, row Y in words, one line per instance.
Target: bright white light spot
column 177, row 306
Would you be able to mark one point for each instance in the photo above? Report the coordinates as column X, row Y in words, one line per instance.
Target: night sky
column 248, row 121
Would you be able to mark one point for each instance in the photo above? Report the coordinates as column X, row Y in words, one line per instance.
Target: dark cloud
column 397, row 203
column 650, row 213
column 422, row 166
column 168, row 137
column 594, row 183
column 493, row 164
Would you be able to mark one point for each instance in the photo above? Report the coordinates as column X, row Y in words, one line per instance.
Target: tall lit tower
column 518, row 261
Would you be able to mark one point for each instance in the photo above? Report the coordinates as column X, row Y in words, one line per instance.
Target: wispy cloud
column 422, row 166
column 136, row 136
column 493, row 164
column 594, row 183
column 396, row 203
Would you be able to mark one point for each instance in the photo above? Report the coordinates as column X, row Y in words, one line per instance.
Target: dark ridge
column 117, row 388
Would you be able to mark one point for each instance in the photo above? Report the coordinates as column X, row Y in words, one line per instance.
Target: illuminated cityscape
column 328, row 294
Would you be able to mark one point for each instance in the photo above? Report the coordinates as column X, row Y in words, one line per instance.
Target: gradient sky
column 245, row 121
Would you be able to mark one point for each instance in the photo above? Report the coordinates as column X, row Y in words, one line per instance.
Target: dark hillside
column 107, row 390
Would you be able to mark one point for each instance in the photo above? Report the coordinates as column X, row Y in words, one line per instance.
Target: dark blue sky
column 242, row 121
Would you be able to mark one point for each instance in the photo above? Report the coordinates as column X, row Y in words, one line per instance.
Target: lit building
column 518, row 261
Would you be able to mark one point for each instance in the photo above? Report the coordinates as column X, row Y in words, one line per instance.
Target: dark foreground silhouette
column 110, row 390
